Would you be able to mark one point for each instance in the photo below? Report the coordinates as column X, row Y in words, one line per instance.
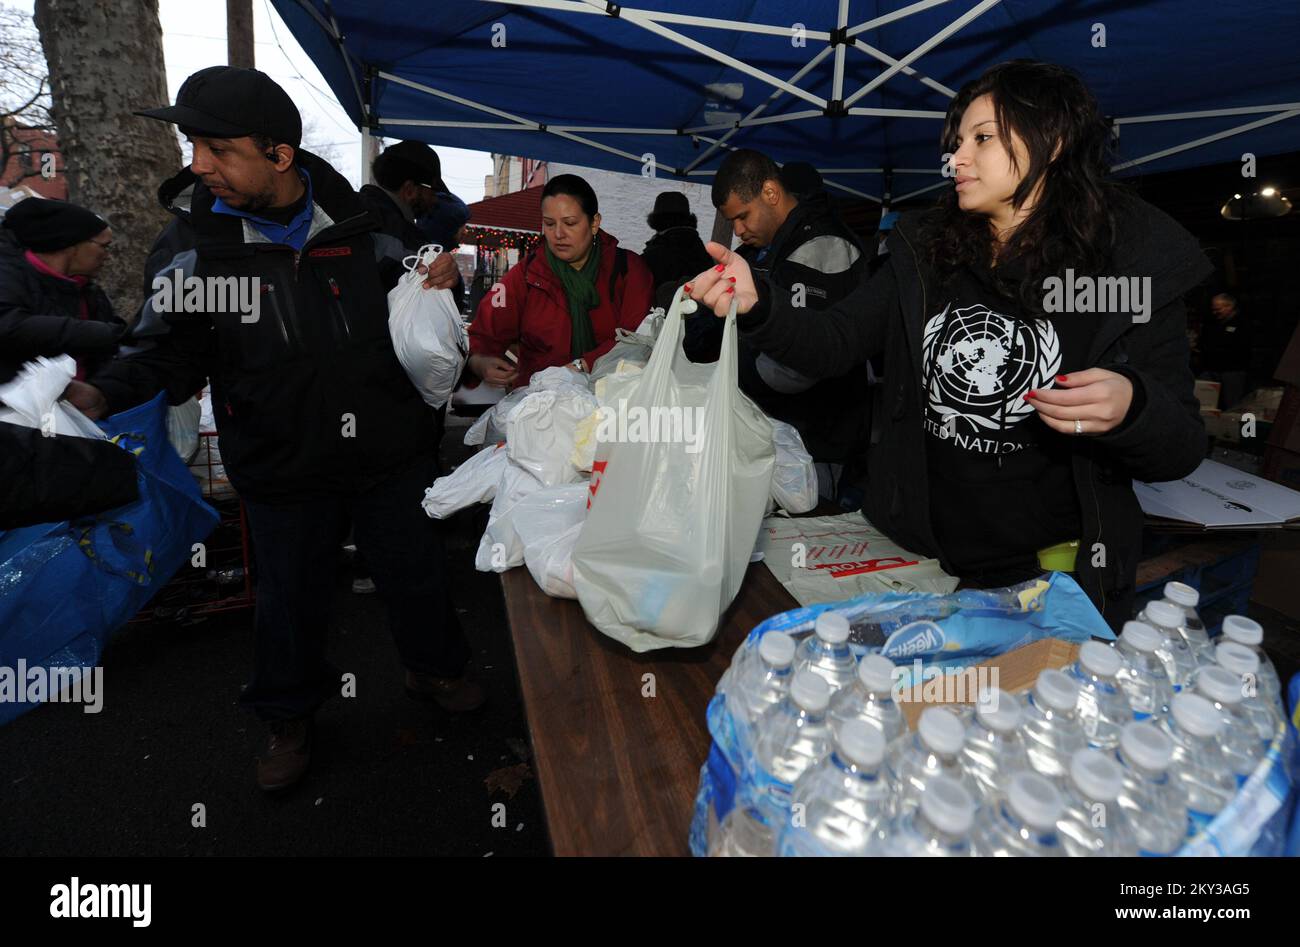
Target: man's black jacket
column 1163, row 437
column 309, row 398
column 815, row 259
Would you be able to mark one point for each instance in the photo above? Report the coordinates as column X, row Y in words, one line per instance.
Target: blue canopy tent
column 856, row 87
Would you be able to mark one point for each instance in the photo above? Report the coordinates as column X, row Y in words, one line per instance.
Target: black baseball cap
column 232, row 102
column 412, row 161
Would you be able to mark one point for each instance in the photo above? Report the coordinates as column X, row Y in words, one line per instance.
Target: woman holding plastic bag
column 1021, row 399
column 561, row 303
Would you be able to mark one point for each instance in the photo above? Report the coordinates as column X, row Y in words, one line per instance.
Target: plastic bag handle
column 415, row 259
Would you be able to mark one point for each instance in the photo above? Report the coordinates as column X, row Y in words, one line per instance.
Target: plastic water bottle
column 870, row 699
column 1243, row 631
column 1143, row 677
column 1195, row 726
column 1092, row 822
column 1240, row 743
column 1241, row 661
column 933, row 750
column 1192, row 628
column 1103, row 706
column 1174, row 652
column 841, row 805
column 789, row 739
column 826, row 651
column 939, row 827
column 764, row 683
column 1152, row 797
column 1052, row 729
column 994, row 747
column 1022, row 821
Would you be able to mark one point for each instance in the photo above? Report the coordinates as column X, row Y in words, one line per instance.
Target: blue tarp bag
column 66, row 587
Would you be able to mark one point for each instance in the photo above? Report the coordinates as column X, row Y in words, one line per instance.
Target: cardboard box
column 1288, row 368
column 1015, row 672
column 1285, row 433
column 1279, row 564
column 1207, row 393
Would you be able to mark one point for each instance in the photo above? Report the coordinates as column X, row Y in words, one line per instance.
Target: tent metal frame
column 837, row 43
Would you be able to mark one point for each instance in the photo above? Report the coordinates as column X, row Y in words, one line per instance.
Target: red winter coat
column 536, row 314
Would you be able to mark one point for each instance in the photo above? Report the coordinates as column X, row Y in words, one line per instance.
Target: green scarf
column 580, row 290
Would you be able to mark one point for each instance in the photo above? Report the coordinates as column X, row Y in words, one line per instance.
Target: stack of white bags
column 535, row 466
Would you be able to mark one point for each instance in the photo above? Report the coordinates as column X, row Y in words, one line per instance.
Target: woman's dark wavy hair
column 1072, row 223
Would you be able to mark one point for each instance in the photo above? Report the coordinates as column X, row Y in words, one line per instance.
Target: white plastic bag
column 500, row 548
column 794, row 479
column 183, row 428
column 547, row 523
column 33, row 398
column 474, row 481
column 542, row 429
column 490, row 427
column 673, row 519
column 632, row 348
column 428, row 335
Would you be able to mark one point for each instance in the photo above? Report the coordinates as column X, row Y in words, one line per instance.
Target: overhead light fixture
column 725, row 91
column 721, row 117
column 1266, row 202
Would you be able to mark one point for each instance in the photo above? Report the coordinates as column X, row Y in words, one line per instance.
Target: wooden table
column 619, row 770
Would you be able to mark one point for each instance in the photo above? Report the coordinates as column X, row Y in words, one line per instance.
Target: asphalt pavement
column 172, row 749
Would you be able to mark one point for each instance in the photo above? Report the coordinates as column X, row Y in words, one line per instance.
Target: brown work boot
column 453, row 694
column 288, row 751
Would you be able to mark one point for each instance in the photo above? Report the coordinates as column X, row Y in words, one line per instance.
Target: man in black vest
column 317, row 420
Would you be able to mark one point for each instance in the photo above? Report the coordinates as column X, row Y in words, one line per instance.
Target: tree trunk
column 106, row 60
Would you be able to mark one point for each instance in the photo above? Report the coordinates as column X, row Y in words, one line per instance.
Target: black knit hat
column 45, row 225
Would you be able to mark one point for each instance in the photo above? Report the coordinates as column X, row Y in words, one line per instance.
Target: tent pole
column 598, row 7
column 1217, row 136
column 896, row 15
column 760, row 108
column 721, row 229
column 1212, row 113
column 953, row 27
column 924, row 190
column 749, row 123
column 889, row 60
column 723, row 58
column 841, row 45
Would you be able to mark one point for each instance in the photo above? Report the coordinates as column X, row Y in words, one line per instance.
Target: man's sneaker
column 455, row 695
column 288, row 751
column 363, row 586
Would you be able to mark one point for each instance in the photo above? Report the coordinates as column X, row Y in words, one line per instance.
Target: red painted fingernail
column 1062, row 377
column 732, row 278
column 686, row 288
column 1032, row 394
column 719, row 267
column 731, row 289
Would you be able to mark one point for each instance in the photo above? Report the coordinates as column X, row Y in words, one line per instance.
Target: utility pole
column 239, row 33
